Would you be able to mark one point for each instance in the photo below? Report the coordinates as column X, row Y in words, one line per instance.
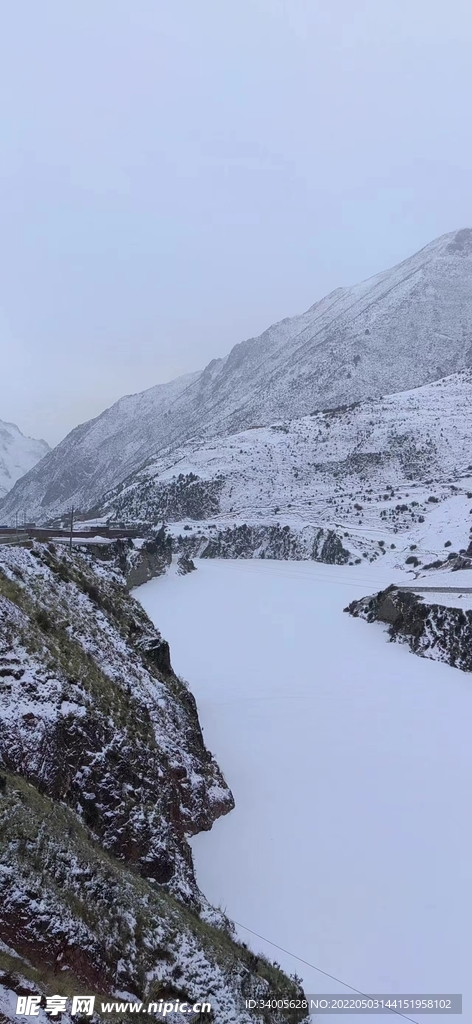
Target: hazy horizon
column 176, row 180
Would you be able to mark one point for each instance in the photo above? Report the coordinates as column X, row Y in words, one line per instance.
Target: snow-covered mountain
column 17, row 455
column 397, row 465
column 403, row 328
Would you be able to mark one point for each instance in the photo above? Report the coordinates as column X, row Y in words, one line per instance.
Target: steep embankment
column 432, row 629
column 105, row 774
column 139, row 561
column 404, row 327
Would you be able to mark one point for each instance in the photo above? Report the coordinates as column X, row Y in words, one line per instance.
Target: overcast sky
column 177, row 176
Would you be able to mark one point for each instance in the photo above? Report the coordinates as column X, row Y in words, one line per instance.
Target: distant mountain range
column 17, row 455
column 399, row 330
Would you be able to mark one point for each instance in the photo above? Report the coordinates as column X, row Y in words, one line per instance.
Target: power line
column 273, row 697
column 307, row 963
column 71, row 532
column 269, row 572
column 254, row 565
column 311, row 579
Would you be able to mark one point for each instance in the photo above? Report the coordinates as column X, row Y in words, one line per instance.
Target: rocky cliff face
column 281, row 542
column 103, row 775
column 139, row 561
column 142, row 561
column 94, row 716
column 430, row 630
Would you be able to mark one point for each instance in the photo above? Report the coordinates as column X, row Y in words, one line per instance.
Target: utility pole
column 71, row 527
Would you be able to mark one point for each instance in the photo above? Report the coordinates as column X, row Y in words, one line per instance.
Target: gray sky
column 177, row 176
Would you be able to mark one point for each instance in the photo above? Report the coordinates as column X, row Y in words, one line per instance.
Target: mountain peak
column 18, row 454
column 461, row 243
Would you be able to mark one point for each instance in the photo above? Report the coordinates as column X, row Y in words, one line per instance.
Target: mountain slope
column 367, row 469
column 307, row 467
column 400, row 329
column 17, row 455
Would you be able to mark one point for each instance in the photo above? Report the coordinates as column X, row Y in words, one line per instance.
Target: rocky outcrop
column 280, row 542
column 103, row 775
column 185, row 565
column 430, row 630
column 139, row 561
column 142, row 560
column 151, row 559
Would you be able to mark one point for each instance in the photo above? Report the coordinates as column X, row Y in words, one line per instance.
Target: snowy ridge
column 401, row 329
column 18, row 454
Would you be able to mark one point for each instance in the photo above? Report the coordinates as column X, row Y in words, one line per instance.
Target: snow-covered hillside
column 397, row 471
column 403, row 328
column 17, row 455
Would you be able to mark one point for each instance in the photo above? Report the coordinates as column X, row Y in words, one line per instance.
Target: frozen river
column 350, row 762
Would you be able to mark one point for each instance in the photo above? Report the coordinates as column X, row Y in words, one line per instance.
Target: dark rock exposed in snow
column 151, row 559
column 282, row 542
column 185, row 565
column 431, row 630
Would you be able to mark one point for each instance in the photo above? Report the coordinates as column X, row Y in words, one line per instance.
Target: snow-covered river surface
column 350, row 762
